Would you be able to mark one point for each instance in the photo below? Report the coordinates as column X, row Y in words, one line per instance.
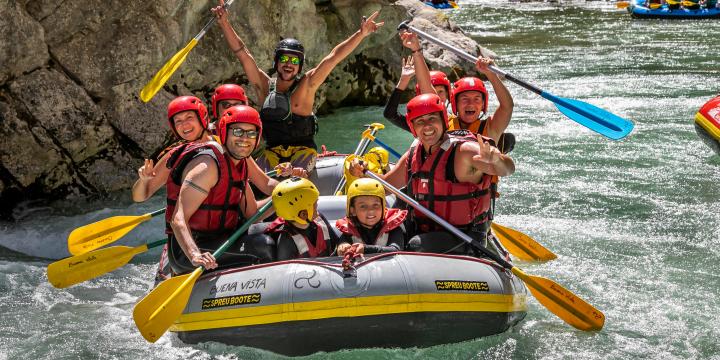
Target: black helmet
column 292, row 46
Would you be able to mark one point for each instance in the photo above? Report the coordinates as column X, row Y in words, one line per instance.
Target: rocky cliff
column 71, row 122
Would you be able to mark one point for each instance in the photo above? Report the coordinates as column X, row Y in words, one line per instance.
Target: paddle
column 162, row 76
column 155, row 313
column 100, row 233
column 560, row 301
column 371, row 130
column 517, row 243
column 521, row 245
column 622, row 4
column 79, row 268
column 601, row 121
column 92, row 236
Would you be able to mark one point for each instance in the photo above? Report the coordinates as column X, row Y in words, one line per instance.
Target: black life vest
column 323, row 239
column 280, row 125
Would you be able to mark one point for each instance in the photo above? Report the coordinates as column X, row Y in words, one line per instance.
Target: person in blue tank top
column 288, row 98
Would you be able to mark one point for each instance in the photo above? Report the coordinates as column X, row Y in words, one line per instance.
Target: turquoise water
column 634, row 222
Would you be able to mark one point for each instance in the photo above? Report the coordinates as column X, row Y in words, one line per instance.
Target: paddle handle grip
column 467, row 56
column 242, row 229
column 449, row 227
column 211, row 22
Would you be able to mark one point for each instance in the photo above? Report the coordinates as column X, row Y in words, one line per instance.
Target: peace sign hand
column 146, row 172
column 369, row 26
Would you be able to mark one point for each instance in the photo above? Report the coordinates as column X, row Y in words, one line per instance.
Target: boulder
column 28, row 153
column 22, row 45
column 65, row 111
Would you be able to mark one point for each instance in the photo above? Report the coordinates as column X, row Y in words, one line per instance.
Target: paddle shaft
column 387, row 147
column 452, row 229
column 211, row 22
column 467, row 56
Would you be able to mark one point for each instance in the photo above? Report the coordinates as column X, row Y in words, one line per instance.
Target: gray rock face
column 22, row 45
column 71, row 121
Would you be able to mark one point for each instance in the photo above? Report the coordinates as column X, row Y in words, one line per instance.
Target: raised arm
column 317, row 75
column 422, row 73
column 501, row 118
column 257, row 78
column 391, row 108
column 150, row 179
column 200, row 175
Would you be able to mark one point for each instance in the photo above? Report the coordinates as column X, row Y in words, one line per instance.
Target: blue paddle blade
column 594, row 118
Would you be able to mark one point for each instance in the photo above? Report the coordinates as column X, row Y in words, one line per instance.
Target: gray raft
column 402, row 299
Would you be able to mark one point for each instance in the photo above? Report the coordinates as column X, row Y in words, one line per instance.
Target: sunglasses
column 238, row 132
column 227, row 104
column 292, row 59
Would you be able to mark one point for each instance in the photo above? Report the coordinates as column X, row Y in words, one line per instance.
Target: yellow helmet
column 382, row 154
column 365, row 186
column 294, row 195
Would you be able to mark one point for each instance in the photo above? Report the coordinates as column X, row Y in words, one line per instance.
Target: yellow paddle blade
column 563, row 303
column 689, row 3
column 158, row 310
column 520, row 245
column 98, row 234
column 79, row 268
column 622, row 4
column 655, row 6
column 165, row 72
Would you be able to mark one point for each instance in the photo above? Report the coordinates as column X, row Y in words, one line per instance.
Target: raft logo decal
column 243, row 285
column 231, row 301
column 448, row 285
column 310, row 283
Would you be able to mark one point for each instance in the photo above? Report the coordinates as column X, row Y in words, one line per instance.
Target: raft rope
column 348, row 262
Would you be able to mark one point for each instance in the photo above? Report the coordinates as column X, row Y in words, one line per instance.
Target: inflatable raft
column 444, row 5
column 707, row 124
column 638, row 9
column 400, row 299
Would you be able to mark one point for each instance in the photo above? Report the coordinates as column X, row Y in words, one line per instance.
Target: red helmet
column 185, row 103
column 239, row 114
column 422, row 105
column 227, row 92
column 468, row 84
column 436, row 78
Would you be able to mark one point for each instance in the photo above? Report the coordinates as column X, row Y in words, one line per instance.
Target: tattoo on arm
column 195, row 186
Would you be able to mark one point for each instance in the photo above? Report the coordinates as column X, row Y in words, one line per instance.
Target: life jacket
column 280, row 125
column 305, row 247
column 476, row 127
column 393, row 219
column 434, row 185
column 506, row 142
column 220, row 212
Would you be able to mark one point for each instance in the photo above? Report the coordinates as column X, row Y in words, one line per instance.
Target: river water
column 634, row 222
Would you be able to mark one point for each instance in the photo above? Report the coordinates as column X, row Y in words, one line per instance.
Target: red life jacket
column 393, row 219
column 220, row 212
column 304, row 245
column 434, row 185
